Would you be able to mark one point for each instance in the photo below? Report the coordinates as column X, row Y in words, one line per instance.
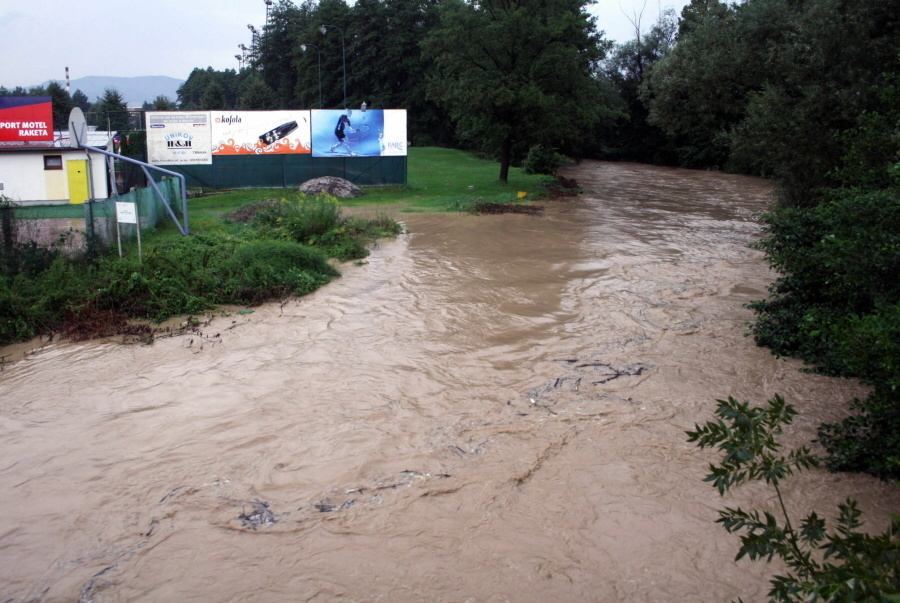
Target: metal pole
column 343, row 57
column 182, row 229
column 268, row 35
column 118, row 235
column 319, row 55
column 137, row 224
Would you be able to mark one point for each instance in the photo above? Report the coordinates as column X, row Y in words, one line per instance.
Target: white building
column 55, row 174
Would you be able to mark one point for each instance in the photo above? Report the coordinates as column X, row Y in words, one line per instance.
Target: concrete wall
column 25, row 181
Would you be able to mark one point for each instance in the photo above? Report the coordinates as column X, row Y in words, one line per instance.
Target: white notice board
column 126, row 213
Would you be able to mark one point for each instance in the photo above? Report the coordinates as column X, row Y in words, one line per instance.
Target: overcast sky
column 40, row 38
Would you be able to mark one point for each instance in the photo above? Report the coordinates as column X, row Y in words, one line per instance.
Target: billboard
column 174, row 137
column 358, row 133
column 260, row 132
column 26, row 119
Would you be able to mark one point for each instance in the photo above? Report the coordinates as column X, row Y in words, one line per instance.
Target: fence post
column 89, row 228
column 8, row 237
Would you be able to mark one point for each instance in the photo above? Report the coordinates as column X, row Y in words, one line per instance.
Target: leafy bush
column 836, row 306
column 175, row 277
column 316, row 220
column 868, row 441
column 543, row 160
column 265, row 269
column 349, row 241
column 16, row 322
column 193, row 274
column 843, row 564
column 301, row 220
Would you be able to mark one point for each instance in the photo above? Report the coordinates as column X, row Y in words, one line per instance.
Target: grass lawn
column 438, row 180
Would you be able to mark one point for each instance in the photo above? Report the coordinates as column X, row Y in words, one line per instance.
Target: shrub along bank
column 837, row 301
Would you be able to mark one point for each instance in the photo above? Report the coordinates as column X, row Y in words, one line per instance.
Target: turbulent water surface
column 491, row 409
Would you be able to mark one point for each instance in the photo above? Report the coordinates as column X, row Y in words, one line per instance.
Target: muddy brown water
column 491, row 409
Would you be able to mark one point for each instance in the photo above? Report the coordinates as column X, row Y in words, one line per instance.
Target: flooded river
column 491, row 409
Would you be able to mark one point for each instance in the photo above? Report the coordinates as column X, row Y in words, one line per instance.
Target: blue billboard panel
column 358, row 133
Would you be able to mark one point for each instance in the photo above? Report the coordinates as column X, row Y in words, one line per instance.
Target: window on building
column 53, row 162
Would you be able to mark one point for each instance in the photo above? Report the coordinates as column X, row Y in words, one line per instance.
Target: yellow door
column 77, row 173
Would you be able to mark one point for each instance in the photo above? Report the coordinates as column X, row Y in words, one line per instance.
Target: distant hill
column 136, row 90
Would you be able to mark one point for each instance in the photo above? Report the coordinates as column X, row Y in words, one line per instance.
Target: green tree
column 279, row 47
column 768, row 86
column 697, row 12
column 819, row 80
column 160, row 103
column 515, row 73
column 390, row 69
column 632, row 137
column 62, row 105
column 698, row 91
column 190, row 92
column 194, row 94
column 110, row 110
column 336, row 13
column 255, row 95
column 17, row 91
column 80, row 100
column 213, row 98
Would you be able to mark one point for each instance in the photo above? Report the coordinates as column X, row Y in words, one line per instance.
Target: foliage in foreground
column 840, row 564
column 53, row 293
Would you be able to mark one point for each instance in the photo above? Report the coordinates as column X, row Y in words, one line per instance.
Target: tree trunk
column 505, row 157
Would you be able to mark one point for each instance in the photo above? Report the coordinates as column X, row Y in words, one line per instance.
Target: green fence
column 95, row 220
column 283, row 171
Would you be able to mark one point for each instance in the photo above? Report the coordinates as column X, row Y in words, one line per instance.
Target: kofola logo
column 228, row 119
column 179, row 140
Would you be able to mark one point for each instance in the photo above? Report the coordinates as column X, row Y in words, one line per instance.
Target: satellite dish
column 77, row 128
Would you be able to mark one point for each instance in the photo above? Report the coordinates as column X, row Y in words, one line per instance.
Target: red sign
column 26, row 119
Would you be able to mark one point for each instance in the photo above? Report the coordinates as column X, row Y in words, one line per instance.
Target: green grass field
column 439, row 180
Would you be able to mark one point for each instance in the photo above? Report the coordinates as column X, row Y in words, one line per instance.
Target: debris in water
column 259, row 515
column 325, row 506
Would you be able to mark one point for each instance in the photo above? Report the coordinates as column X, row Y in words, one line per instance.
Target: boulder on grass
column 337, row 187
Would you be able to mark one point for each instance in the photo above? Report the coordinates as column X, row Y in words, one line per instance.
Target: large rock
column 337, row 187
